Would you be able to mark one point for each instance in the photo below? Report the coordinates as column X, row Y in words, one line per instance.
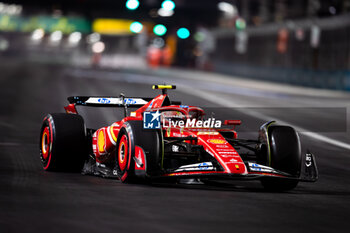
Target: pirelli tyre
column 133, row 134
column 283, row 153
column 63, row 142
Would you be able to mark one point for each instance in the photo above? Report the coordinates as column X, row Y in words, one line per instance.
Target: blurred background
column 301, row 42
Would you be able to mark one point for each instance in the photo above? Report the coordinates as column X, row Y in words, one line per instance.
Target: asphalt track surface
column 32, row 200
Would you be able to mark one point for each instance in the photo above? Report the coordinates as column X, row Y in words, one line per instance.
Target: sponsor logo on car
column 196, row 167
column 234, row 161
column 205, row 166
column 104, row 100
column 308, row 160
column 222, row 146
column 203, row 130
column 226, row 149
column 151, row 120
column 217, row 141
column 228, row 156
column 129, row 101
column 178, row 135
column 227, row 152
column 261, row 168
column 207, row 133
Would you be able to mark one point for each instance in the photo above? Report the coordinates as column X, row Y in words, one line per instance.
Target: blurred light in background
column 315, row 36
column 4, row 44
column 183, row 33
column 132, row 4
column 112, row 26
column 74, row 38
column 241, row 42
column 98, row 47
column 199, row 36
column 299, row 34
column 228, row 9
column 136, row 27
column 159, row 29
column 29, row 23
column 332, row 10
column 10, row 9
column 93, row 38
column 56, row 36
column 168, row 5
column 38, row 34
column 158, row 42
column 165, row 13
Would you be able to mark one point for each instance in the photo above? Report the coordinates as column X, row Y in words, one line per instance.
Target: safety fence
column 312, row 52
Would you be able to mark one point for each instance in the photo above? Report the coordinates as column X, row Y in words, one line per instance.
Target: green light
column 132, row 4
column 183, row 33
column 240, row 24
column 199, row 36
column 136, row 27
column 159, row 29
column 168, row 5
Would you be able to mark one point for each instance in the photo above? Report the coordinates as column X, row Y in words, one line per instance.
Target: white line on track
column 229, row 103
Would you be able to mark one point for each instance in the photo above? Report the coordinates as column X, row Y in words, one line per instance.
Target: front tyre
column 63, row 142
column 283, row 154
column 132, row 135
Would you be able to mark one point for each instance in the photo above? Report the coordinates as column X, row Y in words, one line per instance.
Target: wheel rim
column 45, row 143
column 123, row 152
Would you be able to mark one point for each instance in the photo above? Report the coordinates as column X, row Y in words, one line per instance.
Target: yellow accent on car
column 163, row 87
column 101, row 141
column 217, row 141
column 113, row 135
column 168, row 132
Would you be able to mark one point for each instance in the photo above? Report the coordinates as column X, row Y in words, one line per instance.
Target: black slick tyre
column 63, row 142
column 284, row 155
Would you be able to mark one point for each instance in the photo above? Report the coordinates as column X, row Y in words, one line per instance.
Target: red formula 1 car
column 166, row 140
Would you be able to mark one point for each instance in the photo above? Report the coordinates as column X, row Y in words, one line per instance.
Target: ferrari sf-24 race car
column 165, row 140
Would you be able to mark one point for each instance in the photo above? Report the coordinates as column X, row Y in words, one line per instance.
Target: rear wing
column 108, row 101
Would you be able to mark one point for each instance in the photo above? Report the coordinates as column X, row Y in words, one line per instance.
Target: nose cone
column 224, row 152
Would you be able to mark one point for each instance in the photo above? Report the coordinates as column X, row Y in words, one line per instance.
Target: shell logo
column 217, row 141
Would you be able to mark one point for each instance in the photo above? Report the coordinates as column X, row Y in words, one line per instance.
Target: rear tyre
column 124, row 161
column 63, row 142
column 285, row 156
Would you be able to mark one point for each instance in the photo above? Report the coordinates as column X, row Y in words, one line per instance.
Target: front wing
column 309, row 171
